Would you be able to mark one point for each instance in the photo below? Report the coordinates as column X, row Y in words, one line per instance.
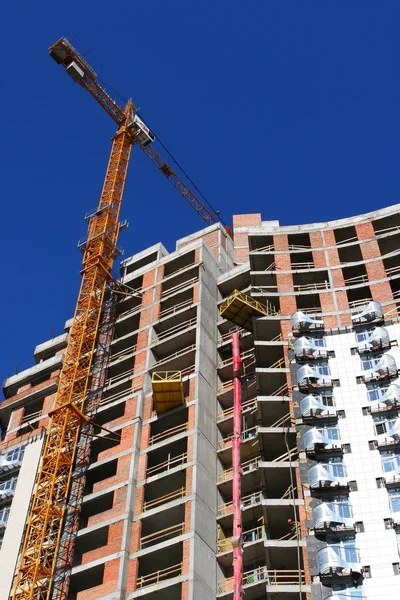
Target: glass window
column 322, row 367
column 343, row 510
column 394, row 499
column 332, row 433
column 337, row 470
column 376, row 391
column 4, row 513
column 16, row 454
column 327, row 400
column 8, row 484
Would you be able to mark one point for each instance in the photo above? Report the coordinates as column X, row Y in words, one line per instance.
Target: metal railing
column 175, row 308
column 159, row 536
column 246, row 466
column 193, row 264
column 158, row 437
column 283, row 421
column 247, row 434
column 161, row 575
column 254, row 535
column 245, row 502
column 164, row 499
column 125, row 375
column 174, row 330
column 302, row 265
column 262, row 574
column 292, row 455
column 309, row 287
column 120, row 354
column 31, row 416
column 244, row 356
column 228, row 412
column 168, row 464
column 281, row 391
column 175, row 355
column 355, row 280
column 177, row 288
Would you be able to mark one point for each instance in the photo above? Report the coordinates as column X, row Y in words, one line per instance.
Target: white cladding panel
column 378, row 546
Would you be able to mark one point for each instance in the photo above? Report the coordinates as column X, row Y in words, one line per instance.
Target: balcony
column 384, row 394
column 371, row 313
column 341, row 560
column 306, row 348
column 254, row 534
column 12, row 460
column 333, row 517
column 327, row 475
column 391, row 469
column 373, row 341
column 321, row 439
column 300, row 321
column 248, row 501
column 262, row 574
column 316, row 406
column 310, row 376
column 7, row 488
column 387, row 431
column 379, row 368
column 4, row 514
column 157, row 577
column 152, row 539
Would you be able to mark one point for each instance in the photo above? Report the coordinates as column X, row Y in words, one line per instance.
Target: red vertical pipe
column 236, row 471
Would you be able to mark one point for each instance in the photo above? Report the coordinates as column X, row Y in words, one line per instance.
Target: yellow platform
column 167, row 390
column 240, row 308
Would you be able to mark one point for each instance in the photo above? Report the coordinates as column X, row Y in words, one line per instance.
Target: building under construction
column 316, row 308
column 221, row 421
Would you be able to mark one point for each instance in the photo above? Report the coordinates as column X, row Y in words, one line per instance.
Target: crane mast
column 49, row 499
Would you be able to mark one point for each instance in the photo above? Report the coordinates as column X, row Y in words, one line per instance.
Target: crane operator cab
column 144, row 135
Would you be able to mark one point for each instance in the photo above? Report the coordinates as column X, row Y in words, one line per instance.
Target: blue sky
column 285, row 108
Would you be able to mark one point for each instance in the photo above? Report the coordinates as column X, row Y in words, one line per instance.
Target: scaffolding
column 240, row 308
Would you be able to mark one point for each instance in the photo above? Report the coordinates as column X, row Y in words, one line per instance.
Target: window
column 349, row 551
column 376, row 391
column 338, row 470
column 394, row 499
column 16, row 454
column 363, row 336
column 384, row 426
column 320, row 342
column 8, row 484
column 367, row 572
column 390, row 464
column 326, row 399
column 368, row 363
column 388, row 523
column 4, row 514
column 322, row 368
column 343, row 510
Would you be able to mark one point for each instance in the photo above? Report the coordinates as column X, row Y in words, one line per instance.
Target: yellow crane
column 33, row 578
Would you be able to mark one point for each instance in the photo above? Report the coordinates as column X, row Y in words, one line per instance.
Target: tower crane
column 49, row 499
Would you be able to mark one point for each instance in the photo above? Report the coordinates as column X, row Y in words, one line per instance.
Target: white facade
column 378, row 545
